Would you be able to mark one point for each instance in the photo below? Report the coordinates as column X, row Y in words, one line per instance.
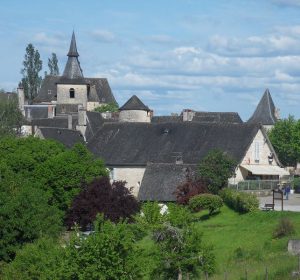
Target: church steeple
column 73, row 47
column 73, row 71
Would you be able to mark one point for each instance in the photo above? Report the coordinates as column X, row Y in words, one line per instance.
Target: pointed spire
column 265, row 112
column 73, row 47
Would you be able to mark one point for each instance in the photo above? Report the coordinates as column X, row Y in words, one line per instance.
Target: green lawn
column 244, row 243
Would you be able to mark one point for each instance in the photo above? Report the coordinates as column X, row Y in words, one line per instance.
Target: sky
column 208, row 55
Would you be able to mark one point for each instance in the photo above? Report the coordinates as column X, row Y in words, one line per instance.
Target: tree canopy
column 31, row 80
column 110, row 107
column 216, row 168
column 285, row 138
column 53, row 65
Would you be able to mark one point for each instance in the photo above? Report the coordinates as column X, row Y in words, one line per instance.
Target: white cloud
column 287, row 2
column 104, row 36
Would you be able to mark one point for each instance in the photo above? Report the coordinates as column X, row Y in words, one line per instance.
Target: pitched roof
column 265, row 111
column 56, row 122
column 139, row 143
column 5, row 96
column 164, row 119
column 161, row 180
column 65, row 136
column 99, row 90
column 73, row 48
column 134, row 103
column 217, row 117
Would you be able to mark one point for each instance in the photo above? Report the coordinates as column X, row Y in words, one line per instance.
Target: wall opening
column 72, row 93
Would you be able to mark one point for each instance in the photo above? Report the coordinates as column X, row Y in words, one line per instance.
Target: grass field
column 243, row 244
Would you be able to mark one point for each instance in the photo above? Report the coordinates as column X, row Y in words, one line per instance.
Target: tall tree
column 53, row 65
column 32, row 66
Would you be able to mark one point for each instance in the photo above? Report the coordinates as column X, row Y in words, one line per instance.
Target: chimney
column 50, row 111
column 21, row 98
column 81, row 116
column 69, row 121
column 188, row 115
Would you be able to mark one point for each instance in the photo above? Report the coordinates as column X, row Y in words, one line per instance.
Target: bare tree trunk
column 179, row 274
column 187, row 276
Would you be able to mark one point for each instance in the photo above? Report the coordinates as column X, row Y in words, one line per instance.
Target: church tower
column 72, row 89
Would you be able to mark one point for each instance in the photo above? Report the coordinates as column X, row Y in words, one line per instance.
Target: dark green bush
column 285, row 227
column 206, row 201
column 240, row 201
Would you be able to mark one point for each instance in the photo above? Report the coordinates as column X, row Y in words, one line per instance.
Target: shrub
column 178, row 215
column 240, row 201
column 115, row 201
column 285, row 227
column 190, row 188
column 206, row 201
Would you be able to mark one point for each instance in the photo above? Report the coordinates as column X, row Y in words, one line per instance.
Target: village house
column 151, row 153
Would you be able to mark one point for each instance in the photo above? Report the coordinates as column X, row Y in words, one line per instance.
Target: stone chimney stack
column 188, row 115
column 81, row 116
column 70, row 121
column 21, row 98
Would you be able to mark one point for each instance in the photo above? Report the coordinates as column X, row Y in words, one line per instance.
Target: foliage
column 64, row 174
column 191, row 187
column 109, row 253
column 240, row 201
column 182, row 253
column 110, row 107
column 284, row 228
column 11, row 118
column 285, row 138
column 114, row 200
column 53, row 65
column 25, row 216
column 178, row 215
column 216, row 168
column 38, row 260
column 206, row 201
column 32, row 66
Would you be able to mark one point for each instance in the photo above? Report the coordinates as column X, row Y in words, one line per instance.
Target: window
column 72, row 93
column 49, row 91
column 256, row 152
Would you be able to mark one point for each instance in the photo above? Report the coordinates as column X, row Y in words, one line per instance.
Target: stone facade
column 135, row 116
column 132, row 175
column 80, row 94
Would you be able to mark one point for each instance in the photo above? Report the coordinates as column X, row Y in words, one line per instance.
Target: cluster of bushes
column 206, row 201
column 240, row 201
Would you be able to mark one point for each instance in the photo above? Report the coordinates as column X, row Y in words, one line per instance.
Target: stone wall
column 63, row 94
column 134, row 116
column 132, row 175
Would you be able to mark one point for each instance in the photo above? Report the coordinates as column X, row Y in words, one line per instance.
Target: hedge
column 205, row 201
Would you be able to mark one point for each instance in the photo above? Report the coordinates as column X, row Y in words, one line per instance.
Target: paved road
column 292, row 204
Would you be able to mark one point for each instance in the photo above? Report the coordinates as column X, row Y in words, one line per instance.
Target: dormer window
column 49, row 91
column 72, row 93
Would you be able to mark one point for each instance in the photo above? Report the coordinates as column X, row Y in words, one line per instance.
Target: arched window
column 72, row 93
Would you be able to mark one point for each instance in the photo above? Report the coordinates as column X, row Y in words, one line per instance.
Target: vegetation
column 53, row 65
column 11, row 118
column 284, row 228
column 31, row 80
column 216, row 168
column 114, row 201
column 285, row 138
column 211, row 202
column 191, row 187
column 240, row 201
column 110, row 107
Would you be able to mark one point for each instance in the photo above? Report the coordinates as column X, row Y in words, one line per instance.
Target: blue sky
column 211, row 55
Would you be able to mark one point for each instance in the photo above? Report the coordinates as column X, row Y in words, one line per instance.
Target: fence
column 255, row 185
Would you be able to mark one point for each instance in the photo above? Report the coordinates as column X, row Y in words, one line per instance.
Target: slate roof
column 73, row 72
column 56, row 122
column 265, row 111
column 7, row 96
column 65, row 136
column 217, row 117
column 100, row 90
column 134, row 103
column 161, row 180
column 32, row 113
column 137, row 144
column 164, row 119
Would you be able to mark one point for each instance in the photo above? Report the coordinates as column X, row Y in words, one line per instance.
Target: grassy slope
column 252, row 233
column 244, row 242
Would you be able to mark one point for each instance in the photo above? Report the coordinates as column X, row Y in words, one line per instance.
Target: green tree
column 110, row 107
column 25, row 215
column 216, row 168
column 53, row 65
column 11, row 118
column 285, row 138
column 32, row 66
